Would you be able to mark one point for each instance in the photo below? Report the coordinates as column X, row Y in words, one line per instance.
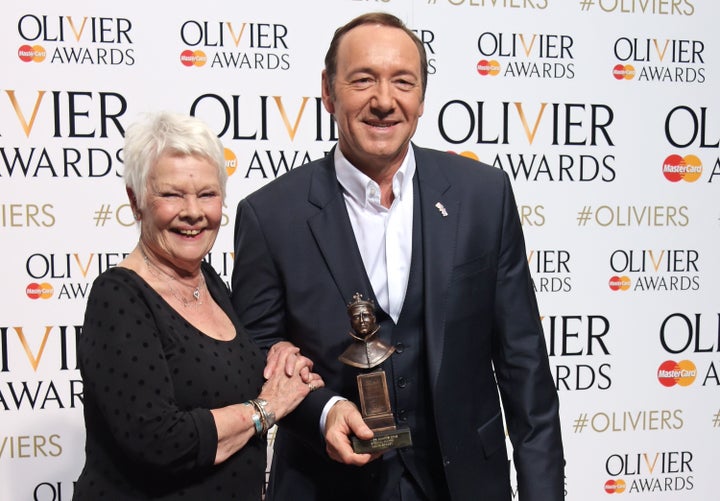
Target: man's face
column 362, row 321
column 377, row 96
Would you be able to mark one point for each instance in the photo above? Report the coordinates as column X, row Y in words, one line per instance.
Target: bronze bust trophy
column 367, row 352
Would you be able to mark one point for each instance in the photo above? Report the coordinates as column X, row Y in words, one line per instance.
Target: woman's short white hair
column 161, row 133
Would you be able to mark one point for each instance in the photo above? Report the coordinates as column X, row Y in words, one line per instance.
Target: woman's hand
column 285, row 356
column 282, row 392
column 285, row 389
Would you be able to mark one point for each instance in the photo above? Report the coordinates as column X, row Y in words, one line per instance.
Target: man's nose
column 383, row 99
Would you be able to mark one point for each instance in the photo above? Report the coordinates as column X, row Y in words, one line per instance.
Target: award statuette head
column 368, row 350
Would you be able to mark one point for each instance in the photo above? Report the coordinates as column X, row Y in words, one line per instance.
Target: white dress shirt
column 384, row 236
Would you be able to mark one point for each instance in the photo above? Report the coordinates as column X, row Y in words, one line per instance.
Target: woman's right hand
column 288, row 382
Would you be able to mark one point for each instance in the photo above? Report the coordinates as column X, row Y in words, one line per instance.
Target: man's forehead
column 361, row 35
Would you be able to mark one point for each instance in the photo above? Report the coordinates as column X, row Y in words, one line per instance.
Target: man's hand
column 285, row 356
column 343, row 421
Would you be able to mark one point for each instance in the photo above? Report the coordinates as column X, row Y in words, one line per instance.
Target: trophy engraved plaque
column 367, row 352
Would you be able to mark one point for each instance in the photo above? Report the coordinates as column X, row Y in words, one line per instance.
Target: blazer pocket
column 492, row 436
column 469, row 268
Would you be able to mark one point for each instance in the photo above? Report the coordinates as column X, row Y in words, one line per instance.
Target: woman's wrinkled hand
column 285, row 356
column 289, row 379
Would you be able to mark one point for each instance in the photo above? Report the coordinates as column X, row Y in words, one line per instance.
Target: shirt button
column 402, row 382
column 399, row 347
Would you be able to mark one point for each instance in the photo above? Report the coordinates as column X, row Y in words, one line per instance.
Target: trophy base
column 383, row 440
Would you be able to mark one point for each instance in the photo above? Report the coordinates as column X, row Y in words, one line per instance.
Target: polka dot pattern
column 150, row 379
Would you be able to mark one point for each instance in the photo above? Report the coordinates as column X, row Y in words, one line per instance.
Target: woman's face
column 183, row 210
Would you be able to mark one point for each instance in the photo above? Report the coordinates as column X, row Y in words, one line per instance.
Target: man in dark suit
column 434, row 240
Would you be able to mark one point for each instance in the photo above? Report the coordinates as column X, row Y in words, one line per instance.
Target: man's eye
column 363, row 82
column 405, row 84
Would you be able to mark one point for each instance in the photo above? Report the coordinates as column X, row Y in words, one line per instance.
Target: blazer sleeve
column 257, row 292
column 521, row 363
column 258, row 297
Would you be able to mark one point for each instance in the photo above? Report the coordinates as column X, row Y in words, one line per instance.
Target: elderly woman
column 175, row 402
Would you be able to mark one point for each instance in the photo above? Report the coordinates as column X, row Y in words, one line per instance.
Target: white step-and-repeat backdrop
column 605, row 113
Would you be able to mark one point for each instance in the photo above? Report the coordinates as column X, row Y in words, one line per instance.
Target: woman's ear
column 137, row 213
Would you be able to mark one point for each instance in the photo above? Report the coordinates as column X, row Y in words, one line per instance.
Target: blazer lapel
column 334, row 235
column 439, row 223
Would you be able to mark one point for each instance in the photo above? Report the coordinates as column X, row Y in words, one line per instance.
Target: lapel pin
column 441, row 208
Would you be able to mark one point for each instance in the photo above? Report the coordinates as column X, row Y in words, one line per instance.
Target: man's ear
column 327, row 98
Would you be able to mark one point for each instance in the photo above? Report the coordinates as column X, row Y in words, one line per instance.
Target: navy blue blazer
column 297, row 266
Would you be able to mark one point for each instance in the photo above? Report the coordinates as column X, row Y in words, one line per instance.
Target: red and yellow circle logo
column 623, row 71
column 39, row 291
column 615, row 486
column 193, row 58
column 34, row 53
column 485, row 67
column 617, row 283
column 688, row 168
column 682, row 373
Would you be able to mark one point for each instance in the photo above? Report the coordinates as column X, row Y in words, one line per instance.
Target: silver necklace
column 169, row 279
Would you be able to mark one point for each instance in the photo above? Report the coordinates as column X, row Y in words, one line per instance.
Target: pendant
column 196, row 293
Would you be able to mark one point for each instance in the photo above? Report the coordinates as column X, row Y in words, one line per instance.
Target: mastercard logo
column 688, row 168
column 39, row 291
column 617, row 283
column 623, row 71
column 193, row 58
column 34, row 53
column 615, row 486
column 231, row 162
column 466, row 154
column 485, row 67
column 671, row 373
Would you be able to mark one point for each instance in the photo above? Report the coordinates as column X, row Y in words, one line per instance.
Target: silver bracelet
column 256, row 419
column 266, row 417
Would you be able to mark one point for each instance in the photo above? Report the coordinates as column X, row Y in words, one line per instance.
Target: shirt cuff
column 326, row 410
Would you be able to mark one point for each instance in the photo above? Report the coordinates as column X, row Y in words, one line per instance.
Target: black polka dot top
column 150, row 379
